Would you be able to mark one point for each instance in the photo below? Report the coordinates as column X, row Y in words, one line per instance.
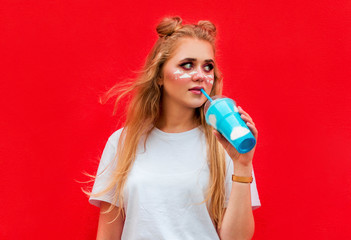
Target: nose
column 199, row 75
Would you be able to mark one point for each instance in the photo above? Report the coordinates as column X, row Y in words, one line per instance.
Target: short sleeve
column 106, row 166
column 255, row 200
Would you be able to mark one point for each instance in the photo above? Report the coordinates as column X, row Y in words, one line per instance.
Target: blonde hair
column 144, row 109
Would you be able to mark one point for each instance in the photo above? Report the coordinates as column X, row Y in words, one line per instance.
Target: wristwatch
column 242, row 179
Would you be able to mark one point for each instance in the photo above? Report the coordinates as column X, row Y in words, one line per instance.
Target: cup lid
column 208, row 103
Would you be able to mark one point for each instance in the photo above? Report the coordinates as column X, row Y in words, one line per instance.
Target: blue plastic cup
column 223, row 115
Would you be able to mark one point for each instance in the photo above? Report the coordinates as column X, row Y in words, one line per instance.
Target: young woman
column 167, row 174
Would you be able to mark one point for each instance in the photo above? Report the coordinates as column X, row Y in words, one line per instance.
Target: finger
column 253, row 130
column 247, row 119
column 221, row 138
column 241, row 111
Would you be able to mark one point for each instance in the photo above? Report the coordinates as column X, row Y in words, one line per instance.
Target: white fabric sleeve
column 255, row 200
column 104, row 173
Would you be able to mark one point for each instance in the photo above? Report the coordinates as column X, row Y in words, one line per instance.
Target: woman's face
column 187, row 71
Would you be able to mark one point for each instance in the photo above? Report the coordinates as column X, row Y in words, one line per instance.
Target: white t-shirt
column 165, row 187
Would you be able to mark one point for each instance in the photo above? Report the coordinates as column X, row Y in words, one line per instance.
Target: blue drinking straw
column 208, row 97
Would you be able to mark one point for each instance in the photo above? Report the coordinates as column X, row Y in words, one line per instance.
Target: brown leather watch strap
column 242, row 179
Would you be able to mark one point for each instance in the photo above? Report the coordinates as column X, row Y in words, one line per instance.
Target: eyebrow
column 194, row 60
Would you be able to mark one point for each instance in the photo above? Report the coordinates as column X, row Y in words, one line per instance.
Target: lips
column 196, row 90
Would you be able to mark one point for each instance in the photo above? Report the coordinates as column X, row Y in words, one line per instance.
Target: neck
column 175, row 118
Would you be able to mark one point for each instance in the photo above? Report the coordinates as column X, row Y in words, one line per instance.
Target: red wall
column 286, row 62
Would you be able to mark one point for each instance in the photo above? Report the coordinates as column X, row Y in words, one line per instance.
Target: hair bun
column 168, row 25
column 208, row 26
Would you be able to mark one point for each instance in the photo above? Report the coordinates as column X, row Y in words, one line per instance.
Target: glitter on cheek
column 185, row 76
column 193, row 72
column 209, row 79
column 176, row 74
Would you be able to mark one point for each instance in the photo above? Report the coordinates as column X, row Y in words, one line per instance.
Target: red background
column 287, row 63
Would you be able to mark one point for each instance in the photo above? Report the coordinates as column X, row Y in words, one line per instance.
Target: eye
column 208, row 67
column 187, row 65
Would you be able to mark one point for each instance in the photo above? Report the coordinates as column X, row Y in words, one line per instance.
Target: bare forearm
column 238, row 221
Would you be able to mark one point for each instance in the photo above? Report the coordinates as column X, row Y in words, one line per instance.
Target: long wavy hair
column 143, row 112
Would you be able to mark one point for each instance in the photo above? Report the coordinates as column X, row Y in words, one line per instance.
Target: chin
column 196, row 104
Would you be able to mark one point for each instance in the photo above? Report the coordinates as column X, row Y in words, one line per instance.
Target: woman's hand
column 242, row 159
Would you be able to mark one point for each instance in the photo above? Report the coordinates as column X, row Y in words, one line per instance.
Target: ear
column 160, row 81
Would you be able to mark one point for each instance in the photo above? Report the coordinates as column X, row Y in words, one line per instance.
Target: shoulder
column 114, row 137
